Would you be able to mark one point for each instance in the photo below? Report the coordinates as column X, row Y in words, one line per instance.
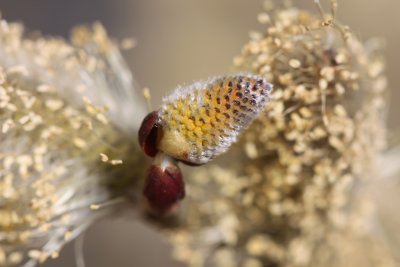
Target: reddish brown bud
column 150, row 133
column 164, row 186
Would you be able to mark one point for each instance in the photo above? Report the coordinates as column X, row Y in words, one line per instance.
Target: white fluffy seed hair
column 90, row 66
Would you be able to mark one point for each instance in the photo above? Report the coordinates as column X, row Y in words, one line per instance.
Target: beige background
column 180, row 41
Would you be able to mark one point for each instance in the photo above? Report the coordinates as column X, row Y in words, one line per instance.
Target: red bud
column 164, row 187
column 150, row 134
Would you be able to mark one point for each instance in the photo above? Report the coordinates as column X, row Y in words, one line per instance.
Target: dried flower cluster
column 283, row 196
column 59, row 155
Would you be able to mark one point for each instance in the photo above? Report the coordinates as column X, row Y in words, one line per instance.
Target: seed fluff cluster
column 59, row 154
column 283, row 196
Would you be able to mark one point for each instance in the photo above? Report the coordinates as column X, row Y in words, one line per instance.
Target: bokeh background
column 179, row 41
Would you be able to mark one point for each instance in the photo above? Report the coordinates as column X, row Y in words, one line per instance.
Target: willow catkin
column 290, row 180
column 204, row 119
column 60, row 155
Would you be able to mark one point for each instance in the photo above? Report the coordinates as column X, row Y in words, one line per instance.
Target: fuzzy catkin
column 204, row 119
column 286, row 188
column 60, row 155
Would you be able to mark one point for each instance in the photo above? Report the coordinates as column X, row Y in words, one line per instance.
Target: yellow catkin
column 49, row 151
column 205, row 118
column 279, row 199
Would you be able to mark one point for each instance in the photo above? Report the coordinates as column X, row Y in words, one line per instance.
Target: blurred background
column 179, row 41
